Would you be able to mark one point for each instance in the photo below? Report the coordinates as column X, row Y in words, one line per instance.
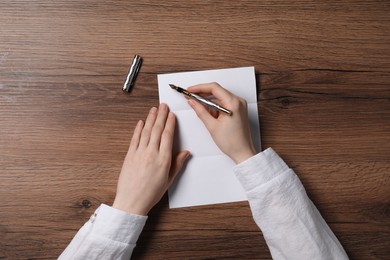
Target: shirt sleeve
column 292, row 226
column 109, row 234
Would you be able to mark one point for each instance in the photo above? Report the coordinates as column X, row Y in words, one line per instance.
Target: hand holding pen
column 230, row 133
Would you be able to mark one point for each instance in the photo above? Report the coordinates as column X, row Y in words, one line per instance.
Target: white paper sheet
column 208, row 176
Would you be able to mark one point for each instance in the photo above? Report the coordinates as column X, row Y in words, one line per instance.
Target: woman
column 292, row 226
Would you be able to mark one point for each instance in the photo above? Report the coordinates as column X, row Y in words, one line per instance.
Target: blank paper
column 208, row 177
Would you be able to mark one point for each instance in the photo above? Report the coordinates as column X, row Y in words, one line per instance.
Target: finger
column 212, row 111
column 177, row 165
column 136, row 136
column 208, row 120
column 203, row 95
column 167, row 134
column 159, row 125
column 211, row 88
column 146, row 131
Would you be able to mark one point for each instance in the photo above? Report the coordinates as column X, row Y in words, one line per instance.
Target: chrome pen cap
column 132, row 74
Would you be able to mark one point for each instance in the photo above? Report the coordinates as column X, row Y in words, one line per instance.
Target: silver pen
column 200, row 99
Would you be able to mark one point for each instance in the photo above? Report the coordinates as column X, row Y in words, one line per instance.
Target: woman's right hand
column 231, row 133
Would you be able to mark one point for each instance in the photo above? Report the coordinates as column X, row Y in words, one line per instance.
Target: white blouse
column 291, row 224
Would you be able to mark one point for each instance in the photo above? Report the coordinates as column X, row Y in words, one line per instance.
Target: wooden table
column 323, row 73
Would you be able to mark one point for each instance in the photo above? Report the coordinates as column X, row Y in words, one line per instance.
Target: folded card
column 208, row 176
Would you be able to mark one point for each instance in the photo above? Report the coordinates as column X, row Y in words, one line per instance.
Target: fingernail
column 153, row 109
column 162, row 106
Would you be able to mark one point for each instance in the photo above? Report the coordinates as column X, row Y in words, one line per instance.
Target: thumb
column 204, row 115
column 177, row 165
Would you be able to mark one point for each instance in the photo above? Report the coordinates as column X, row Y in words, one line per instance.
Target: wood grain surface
column 323, row 73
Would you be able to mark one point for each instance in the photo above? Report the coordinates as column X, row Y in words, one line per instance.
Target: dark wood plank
column 323, row 73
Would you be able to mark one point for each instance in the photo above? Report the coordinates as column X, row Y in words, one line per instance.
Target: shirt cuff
column 259, row 169
column 117, row 225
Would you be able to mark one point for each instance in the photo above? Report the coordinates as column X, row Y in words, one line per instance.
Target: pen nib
column 172, row 86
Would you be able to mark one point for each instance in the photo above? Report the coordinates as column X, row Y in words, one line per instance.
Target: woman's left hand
column 149, row 167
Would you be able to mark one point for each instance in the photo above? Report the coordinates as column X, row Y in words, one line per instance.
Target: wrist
column 243, row 156
column 129, row 207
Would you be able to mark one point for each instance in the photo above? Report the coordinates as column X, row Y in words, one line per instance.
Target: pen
column 200, row 99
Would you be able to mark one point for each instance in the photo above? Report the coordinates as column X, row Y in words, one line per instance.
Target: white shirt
column 291, row 224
